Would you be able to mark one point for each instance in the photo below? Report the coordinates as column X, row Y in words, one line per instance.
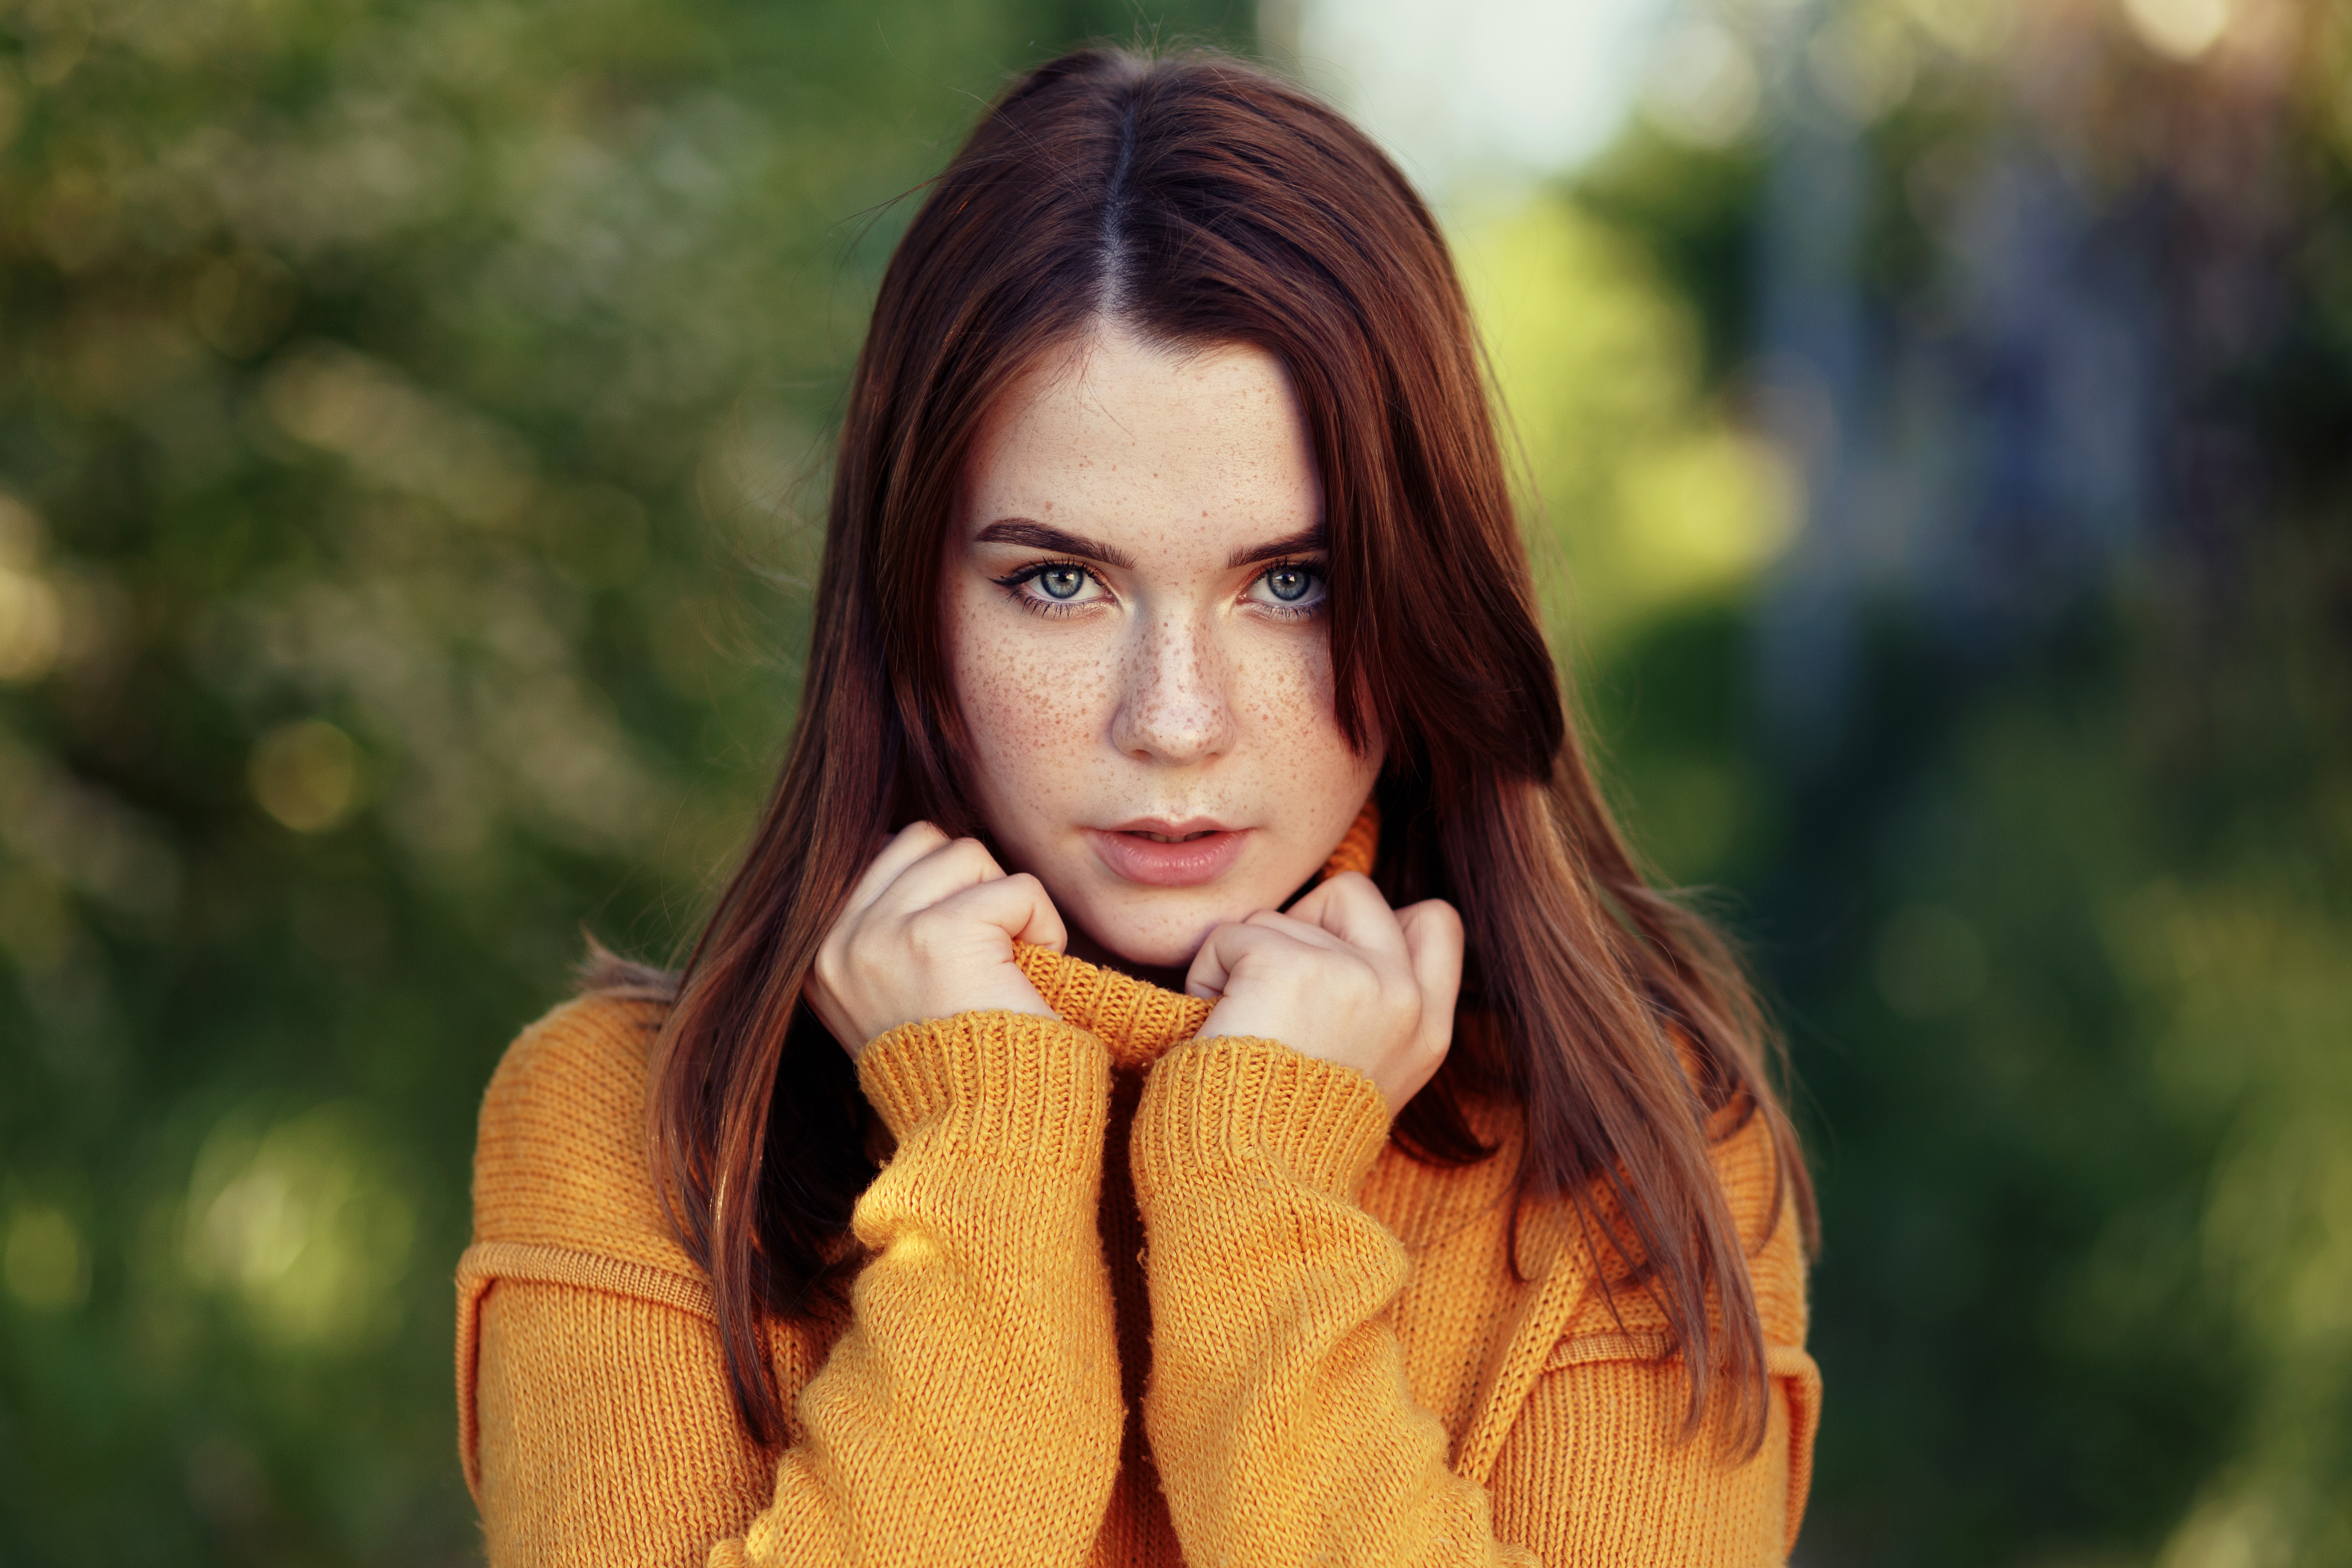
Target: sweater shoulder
column 1762, row 1197
column 560, row 1157
column 1762, row 1204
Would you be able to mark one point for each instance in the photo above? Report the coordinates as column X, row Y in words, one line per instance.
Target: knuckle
column 833, row 955
column 856, row 961
column 1361, row 984
column 971, row 852
column 1435, row 913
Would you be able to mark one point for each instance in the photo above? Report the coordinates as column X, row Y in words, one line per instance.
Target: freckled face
column 1137, row 635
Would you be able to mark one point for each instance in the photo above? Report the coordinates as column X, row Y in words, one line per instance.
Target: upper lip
column 1170, row 829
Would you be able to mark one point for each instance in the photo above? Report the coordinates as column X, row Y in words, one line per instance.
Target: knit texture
column 1129, row 1297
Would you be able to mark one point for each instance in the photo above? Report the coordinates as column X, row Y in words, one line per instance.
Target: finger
column 1433, row 938
column 1305, row 932
column 949, row 868
column 909, row 845
column 1227, row 946
column 1016, row 906
column 1350, row 908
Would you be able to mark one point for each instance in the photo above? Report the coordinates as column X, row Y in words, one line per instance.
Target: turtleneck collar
column 1137, row 1019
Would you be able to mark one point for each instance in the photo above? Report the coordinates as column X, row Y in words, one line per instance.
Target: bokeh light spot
column 2183, row 29
column 1973, row 29
column 32, row 626
column 32, row 616
column 306, row 774
column 45, row 1264
column 302, row 1224
column 1704, row 88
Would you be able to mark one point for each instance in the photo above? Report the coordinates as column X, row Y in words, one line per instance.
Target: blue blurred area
column 1934, row 418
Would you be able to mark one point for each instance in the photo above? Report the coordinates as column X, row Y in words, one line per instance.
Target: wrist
column 1229, row 1101
column 996, row 994
column 1002, row 1083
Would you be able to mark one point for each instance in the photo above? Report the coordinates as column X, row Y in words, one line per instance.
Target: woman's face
column 1137, row 636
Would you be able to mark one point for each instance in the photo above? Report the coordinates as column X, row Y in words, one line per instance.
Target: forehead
column 1149, row 448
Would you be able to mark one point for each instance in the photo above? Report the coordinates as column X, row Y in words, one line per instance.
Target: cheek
column 1285, row 698
column 1028, row 702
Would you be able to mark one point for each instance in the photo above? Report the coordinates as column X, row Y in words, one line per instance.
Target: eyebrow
column 1041, row 537
column 1031, row 535
column 1038, row 536
column 1307, row 542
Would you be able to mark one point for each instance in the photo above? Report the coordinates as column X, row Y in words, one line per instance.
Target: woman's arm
column 1279, row 1405
column 969, row 1412
column 1278, row 1408
column 972, row 1412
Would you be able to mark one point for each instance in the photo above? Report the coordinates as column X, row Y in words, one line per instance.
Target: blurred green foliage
column 410, row 420
column 2059, row 918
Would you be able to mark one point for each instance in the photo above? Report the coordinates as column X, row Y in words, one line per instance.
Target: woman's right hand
column 928, row 933
column 1342, row 977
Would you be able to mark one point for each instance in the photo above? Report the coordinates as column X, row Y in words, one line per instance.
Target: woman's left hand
column 1341, row 977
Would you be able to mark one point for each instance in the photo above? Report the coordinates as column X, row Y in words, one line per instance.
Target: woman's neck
column 1085, row 947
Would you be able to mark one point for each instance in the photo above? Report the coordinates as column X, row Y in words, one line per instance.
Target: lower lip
column 1151, row 864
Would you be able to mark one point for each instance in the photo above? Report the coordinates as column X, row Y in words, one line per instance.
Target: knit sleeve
column 1278, row 1408
column 968, row 1410
column 971, row 1413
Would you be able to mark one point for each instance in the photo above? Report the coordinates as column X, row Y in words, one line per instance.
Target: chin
column 1161, row 932
column 1151, row 946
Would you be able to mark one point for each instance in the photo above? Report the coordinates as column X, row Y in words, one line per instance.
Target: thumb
column 1019, row 906
column 1433, row 945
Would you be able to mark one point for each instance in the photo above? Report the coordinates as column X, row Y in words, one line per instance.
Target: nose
column 1172, row 706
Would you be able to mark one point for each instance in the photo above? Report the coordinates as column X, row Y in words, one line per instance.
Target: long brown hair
column 1200, row 202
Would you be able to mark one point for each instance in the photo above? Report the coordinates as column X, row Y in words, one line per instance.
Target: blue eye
column 1054, row 588
column 1290, row 589
column 1290, row 583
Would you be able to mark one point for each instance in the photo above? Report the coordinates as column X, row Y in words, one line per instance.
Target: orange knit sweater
column 1129, row 1298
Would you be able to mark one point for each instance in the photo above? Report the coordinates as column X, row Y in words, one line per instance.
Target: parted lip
column 1161, row 825
column 1161, row 852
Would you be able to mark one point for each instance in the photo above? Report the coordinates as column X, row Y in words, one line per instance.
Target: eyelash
column 1013, row 583
column 1296, row 611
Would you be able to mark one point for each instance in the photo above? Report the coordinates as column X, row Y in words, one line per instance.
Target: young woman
column 1187, row 1070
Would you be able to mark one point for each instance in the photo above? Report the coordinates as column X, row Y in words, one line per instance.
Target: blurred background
column 1935, row 422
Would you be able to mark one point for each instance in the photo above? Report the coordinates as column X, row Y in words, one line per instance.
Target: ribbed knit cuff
column 1010, row 1085
column 1235, row 1100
